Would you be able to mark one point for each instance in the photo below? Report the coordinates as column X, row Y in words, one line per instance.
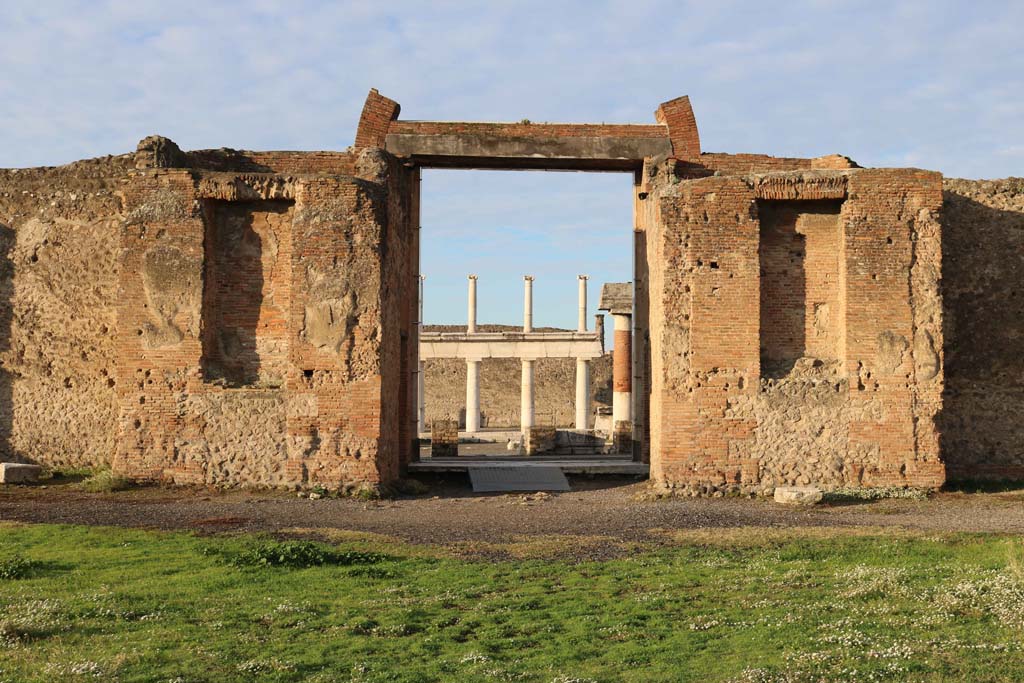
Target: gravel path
column 451, row 513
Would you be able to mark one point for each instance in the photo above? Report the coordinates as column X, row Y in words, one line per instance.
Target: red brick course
column 678, row 116
column 378, row 113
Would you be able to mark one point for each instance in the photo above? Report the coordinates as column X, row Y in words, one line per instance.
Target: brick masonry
column 247, row 318
column 444, row 438
column 539, row 439
column 259, row 327
column 723, row 421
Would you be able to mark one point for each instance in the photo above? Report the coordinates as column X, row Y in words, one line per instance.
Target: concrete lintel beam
column 481, row 150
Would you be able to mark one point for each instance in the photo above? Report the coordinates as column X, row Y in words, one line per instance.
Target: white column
column 582, row 393
column 421, row 410
column 472, row 396
column 527, row 304
column 582, row 326
column 471, row 324
column 526, row 397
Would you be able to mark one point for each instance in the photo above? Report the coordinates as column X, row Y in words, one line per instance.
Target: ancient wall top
column 566, row 146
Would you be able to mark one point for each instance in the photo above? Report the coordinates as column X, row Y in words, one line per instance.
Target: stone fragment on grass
column 18, row 473
column 798, row 495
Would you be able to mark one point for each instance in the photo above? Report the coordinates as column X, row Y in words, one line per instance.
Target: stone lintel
column 485, row 150
column 524, row 345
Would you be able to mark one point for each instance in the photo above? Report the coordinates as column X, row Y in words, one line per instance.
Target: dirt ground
column 451, row 513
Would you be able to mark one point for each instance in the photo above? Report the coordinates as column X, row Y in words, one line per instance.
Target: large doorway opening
column 483, row 232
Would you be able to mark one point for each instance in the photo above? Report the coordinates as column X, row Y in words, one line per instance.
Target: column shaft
column 472, row 396
column 471, row 317
column 582, row 393
column 421, row 408
column 622, row 370
column 582, row 326
column 527, row 303
column 526, row 418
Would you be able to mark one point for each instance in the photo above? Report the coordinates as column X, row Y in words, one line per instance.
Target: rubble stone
column 798, row 495
column 19, row 473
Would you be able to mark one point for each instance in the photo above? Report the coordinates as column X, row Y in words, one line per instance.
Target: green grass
column 747, row 605
column 104, row 481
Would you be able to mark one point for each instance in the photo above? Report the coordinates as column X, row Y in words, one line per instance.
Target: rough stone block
column 798, row 495
column 444, row 439
column 540, row 440
column 18, row 473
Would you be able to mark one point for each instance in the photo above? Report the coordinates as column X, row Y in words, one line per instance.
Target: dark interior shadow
column 981, row 423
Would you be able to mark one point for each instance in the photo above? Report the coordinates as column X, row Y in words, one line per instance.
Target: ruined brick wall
column 310, row 269
column 234, row 161
column 866, row 417
column 58, row 275
column 983, row 295
column 554, row 390
column 159, row 152
column 247, row 318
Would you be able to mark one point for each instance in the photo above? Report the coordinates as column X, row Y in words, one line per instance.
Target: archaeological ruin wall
column 795, row 327
column 261, row 321
column 60, row 238
column 250, row 318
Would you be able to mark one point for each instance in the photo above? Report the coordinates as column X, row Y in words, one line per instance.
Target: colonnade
column 529, row 340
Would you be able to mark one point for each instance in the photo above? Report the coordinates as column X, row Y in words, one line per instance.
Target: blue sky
column 931, row 84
